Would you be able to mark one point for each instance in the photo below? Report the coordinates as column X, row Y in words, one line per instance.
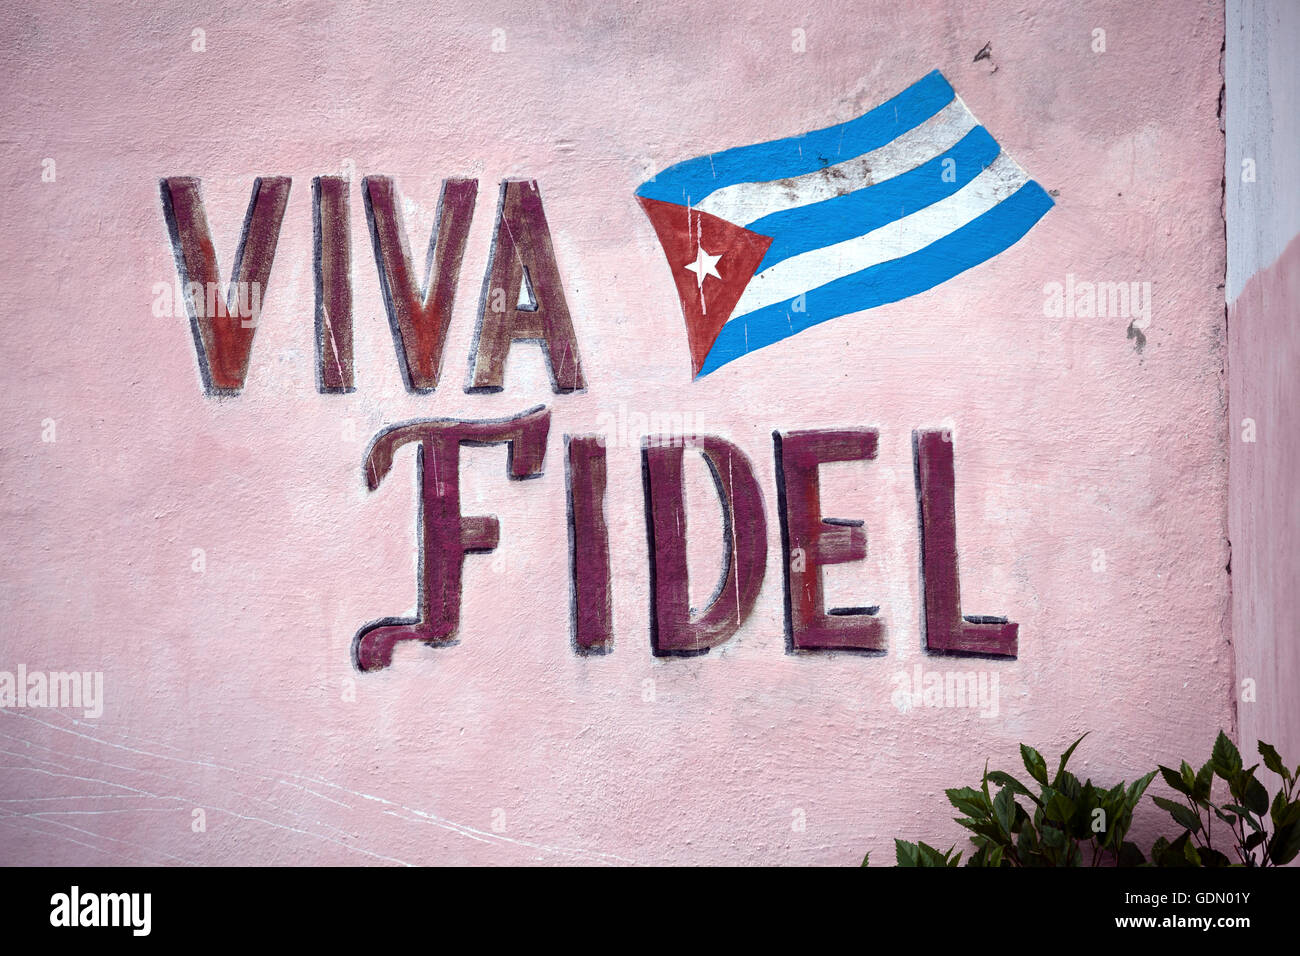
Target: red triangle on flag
column 684, row 232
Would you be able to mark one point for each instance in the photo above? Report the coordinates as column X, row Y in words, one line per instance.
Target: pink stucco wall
column 1091, row 474
column 1264, row 512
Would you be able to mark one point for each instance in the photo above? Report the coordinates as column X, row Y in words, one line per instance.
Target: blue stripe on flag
column 977, row 241
column 858, row 213
column 690, row 181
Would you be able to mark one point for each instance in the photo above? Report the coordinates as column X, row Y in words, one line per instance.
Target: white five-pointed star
column 704, row 265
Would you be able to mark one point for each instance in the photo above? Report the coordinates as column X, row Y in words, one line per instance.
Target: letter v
column 419, row 318
column 224, row 340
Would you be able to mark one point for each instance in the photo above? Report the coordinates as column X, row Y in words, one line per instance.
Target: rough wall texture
column 1090, row 452
column 1263, row 213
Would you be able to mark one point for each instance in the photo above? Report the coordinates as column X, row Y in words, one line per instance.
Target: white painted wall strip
column 902, row 237
column 744, row 203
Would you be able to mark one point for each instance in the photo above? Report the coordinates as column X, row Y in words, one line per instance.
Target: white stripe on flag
column 744, row 203
column 902, row 237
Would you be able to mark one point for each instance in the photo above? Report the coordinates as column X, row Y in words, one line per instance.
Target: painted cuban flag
column 765, row 241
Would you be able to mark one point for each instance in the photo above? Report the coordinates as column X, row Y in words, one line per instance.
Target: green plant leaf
column 1244, row 814
column 1175, row 853
column 1004, row 810
column 1089, row 794
column 987, row 828
column 1256, row 796
column 1137, row 788
column 1034, row 763
column 1069, row 785
column 1285, row 845
column 866, row 857
column 1130, row 855
column 1191, row 853
column 1060, row 808
column 1054, row 838
column 969, row 801
column 1027, row 844
column 906, row 854
column 1252, row 822
column 1065, row 757
column 1226, row 758
column 929, row 856
column 1203, row 782
column 1006, row 780
column 1212, row 857
column 1273, row 761
column 1286, row 812
column 1227, row 818
column 1183, row 815
column 1089, row 801
column 1175, row 780
column 1277, row 807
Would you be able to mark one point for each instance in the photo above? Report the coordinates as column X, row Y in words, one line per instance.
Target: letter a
column 523, row 270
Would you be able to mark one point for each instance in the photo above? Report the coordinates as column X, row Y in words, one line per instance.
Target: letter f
column 445, row 535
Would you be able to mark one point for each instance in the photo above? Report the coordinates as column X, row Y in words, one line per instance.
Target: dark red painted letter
column 673, row 629
column 224, row 323
column 810, row 541
column 333, row 284
column 945, row 628
column 589, row 545
column 419, row 318
column 523, row 297
column 446, row 535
